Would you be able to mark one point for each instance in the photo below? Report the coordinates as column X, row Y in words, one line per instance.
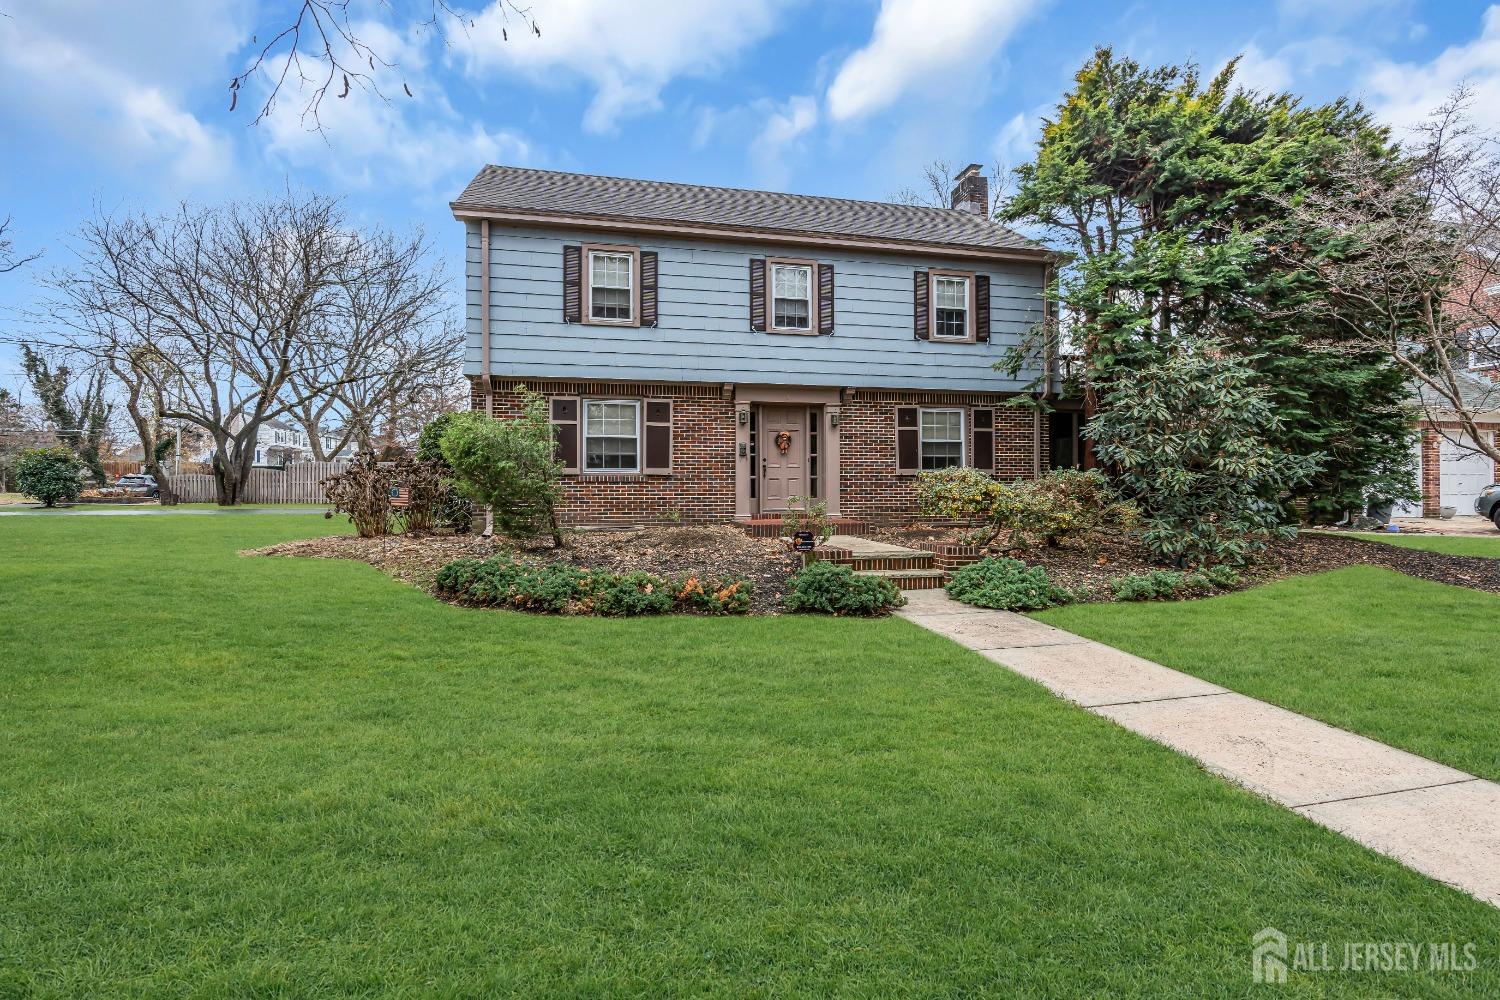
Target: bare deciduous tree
column 235, row 315
column 935, row 190
column 1421, row 257
column 320, row 48
column 8, row 259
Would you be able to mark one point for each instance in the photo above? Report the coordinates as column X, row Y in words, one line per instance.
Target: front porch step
column 909, row 579
column 861, row 564
column 770, row 526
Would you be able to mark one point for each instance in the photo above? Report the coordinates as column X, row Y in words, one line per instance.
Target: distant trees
column 225, row 317
column 75, row 406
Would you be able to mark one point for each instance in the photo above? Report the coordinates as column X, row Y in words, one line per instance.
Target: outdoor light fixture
column 744, row 416
column 833, row 418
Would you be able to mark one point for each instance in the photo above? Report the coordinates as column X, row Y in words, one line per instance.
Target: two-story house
column 709, row 353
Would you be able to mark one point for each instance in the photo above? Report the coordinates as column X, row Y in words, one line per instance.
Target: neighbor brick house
column 709, row 353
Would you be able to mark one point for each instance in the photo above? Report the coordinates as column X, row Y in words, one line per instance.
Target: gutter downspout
column 1048, row 361
column 484, row 313
column 484, row 344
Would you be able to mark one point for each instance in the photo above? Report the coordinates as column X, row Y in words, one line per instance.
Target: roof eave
column 611, row 223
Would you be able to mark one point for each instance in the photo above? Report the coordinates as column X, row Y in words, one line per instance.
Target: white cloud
column 109, row 82
column 917, row 46
column 1403, row 94
column 1270, row 74
column 784, row 127
column 364, row 140
column 1013, row 144
column 628, row 52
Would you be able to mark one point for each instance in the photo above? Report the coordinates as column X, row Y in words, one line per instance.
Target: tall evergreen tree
column 1170, row 194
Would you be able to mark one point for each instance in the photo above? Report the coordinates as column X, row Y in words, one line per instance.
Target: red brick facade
column 702, row 487
column 872, row 488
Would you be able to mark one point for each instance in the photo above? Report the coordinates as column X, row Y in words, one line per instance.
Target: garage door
column 1465, row 473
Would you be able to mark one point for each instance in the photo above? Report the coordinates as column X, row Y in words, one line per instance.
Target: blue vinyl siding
column 703, row 332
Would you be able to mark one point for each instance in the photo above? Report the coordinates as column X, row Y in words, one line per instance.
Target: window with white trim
column 791, row 297
column 950, row 307
column 611, row 435
column 940, row 436
column 611, row 285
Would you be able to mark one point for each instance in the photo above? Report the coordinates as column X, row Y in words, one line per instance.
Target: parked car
column 1488, row 504
column 140, row 485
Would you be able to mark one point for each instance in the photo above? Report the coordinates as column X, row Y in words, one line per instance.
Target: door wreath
column 783, row 441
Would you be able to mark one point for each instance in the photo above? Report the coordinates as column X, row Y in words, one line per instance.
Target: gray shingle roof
column 525, row 189
column 1480, row 394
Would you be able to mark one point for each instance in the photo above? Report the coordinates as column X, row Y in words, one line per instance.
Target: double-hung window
column 611, row 435
column 611, row 286
column 941, row 438
column 791, row 297
column 950, row 307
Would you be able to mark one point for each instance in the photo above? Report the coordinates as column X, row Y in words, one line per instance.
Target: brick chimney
column 971, row 191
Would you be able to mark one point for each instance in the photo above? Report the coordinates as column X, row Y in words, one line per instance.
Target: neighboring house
column 710, row 353
column 278, row 442
column 1451, row 471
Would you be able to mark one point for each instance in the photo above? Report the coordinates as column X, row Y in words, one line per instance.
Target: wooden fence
column 296, row 482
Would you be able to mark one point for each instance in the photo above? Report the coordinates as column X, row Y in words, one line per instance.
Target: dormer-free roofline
column 525, row 196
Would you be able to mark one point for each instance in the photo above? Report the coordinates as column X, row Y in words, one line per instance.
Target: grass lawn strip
column 1400, row 660
column 236, row 774
column 1453, row 545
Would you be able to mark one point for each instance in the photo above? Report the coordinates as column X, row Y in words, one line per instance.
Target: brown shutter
column 648, row 288
column 825, row 298
column 982, row 308
column 982, row 444
column 908, row 451
column 564, row 415
column 572, row 284
column 919, row 315
column 758, row 294
column 658, row 437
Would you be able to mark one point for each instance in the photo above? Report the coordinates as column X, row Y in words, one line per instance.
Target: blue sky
column 123, row 103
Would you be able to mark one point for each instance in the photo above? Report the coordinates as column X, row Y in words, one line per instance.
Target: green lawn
column 228, row 775
column 1405, row 661
column 1453, row 545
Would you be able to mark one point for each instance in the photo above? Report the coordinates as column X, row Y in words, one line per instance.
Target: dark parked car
column 1488, row 504
column 138, row 486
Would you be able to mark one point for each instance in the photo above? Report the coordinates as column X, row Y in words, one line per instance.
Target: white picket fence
column 297, row 482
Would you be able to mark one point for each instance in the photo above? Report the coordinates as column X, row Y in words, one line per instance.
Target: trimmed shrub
column 554, row 588
column 713, row 598
column 1221, row 577
column 1007, row 584
column 831, row 589
column 509, row 466
column 49, row 475
column 626, row 594
column 1158, row 585
column 1064, row 505
column 430, row 442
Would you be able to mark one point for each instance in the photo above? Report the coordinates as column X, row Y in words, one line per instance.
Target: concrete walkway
column 1437, row 820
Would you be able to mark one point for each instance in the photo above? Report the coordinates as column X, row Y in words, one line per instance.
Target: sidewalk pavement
column 1435, row 819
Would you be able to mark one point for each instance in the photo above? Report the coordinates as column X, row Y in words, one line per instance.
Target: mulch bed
column 718, row 552
column 1097, row 567
column 1316, row 553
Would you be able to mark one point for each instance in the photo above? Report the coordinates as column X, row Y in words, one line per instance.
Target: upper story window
column 950, row 307
column 611, row 435
column 611, row 284
column 941, row 439
column 791, row 297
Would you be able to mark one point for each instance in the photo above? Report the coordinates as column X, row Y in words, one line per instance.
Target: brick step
column 909, row 579
column 862, row 563
column 770, row 527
